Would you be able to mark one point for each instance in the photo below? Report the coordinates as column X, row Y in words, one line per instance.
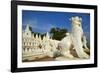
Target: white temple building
column 35, row 46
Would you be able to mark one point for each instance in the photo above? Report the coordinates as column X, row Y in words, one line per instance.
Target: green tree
column 58, row 33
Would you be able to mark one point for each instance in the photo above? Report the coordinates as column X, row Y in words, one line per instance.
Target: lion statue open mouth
column 74, row 40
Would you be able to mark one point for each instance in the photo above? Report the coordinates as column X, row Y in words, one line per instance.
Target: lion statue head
column 76, row 21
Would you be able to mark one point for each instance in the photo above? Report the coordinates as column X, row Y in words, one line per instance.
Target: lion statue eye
column 79, row 25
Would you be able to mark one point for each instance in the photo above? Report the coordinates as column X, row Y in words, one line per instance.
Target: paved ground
column 46, row 58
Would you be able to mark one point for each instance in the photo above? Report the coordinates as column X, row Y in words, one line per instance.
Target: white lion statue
column 74, row 38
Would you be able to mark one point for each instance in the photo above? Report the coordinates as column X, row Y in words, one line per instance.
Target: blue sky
column 43, row 21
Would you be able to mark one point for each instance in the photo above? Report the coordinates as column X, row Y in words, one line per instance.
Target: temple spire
column 47, row 35
column 27, row 27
